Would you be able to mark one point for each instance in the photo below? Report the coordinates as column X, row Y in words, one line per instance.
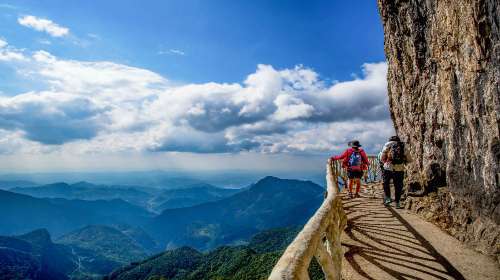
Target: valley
column 94, row 229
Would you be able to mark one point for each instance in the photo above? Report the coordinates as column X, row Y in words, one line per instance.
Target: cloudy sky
column 223, row 84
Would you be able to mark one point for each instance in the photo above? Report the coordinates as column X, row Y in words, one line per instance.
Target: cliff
column 443, row 84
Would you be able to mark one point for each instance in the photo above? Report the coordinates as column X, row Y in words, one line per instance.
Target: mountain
column 156, row 199
column 186, row 197
column 23, row 213
column 274, row 239
column 140, row 236
column 15, row 264
column 5, row 185
column 105, row 241
column 87, row 191
column 34, row 256
column 171, row 264
column 90, row 252
column 271, row 202
column 188, row 264
column 235, row 263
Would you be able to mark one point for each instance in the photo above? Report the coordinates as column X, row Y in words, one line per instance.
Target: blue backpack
column 355, row 161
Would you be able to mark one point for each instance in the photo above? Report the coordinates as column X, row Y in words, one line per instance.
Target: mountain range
column 189, row 196
column 269, row 203
column 87, row 191
column 250, row 262
column 5, row 185
column 151, row 198
column 93, row 237
column 86, row 253
column 24, row 213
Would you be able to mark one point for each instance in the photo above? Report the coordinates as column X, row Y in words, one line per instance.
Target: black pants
column 397, row 179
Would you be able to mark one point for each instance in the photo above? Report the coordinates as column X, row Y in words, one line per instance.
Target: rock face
column 443, row 81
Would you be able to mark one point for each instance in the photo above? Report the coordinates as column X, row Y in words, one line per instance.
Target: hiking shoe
column 387, row 202
column 357, row 195
column 351, row 195
column 398, row 206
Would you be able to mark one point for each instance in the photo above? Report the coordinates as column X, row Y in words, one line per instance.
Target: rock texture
column 443, row 81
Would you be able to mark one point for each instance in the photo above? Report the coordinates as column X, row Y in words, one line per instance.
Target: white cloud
column 43, row 25
column 8, row 53
column 172, row 51
column 105, row 107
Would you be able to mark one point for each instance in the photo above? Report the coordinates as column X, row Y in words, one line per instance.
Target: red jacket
column 347, row 154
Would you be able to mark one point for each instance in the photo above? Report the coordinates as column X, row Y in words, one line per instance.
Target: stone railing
column 320, row 237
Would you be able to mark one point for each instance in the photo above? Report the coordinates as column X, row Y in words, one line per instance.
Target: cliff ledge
column 443, row 83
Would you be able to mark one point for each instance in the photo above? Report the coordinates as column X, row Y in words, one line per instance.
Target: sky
column 189, row 84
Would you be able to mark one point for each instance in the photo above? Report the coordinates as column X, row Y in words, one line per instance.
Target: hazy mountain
column 157, row 179
column 87, row 191
column 5, row 185
column 155, row 199
column 271, row 202
column 186, row 197
column 23, row 213
column 165, row 179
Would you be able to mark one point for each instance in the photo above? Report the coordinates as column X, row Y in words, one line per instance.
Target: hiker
column 394, row 158
column 379, row 158
column 354, row 159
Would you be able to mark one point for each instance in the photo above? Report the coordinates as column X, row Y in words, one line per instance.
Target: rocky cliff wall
column 443, row 82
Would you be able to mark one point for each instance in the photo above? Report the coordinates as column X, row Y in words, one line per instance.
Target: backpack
column 397, row 153
column 355, row 161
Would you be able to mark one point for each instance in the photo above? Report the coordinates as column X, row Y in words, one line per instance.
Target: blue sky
column 181, row 80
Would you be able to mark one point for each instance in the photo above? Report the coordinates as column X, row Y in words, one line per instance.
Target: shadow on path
column 380, row 244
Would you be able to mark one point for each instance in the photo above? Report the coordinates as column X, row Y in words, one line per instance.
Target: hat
column 395, row 138
column 354, row 143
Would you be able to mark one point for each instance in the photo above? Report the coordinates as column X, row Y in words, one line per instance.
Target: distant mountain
column 157, row 179
column 236, row 263
column 5, row 185
column 105, row 241
column 87, row 191
column 271, row 202
column 22, row 213
column 155, row 199
column 186, row 197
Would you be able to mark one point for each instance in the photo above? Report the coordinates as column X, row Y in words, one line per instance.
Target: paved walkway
column 387, row 243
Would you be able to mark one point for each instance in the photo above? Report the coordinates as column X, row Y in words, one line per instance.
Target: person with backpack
column 394, row 157
column 354, row 159
column 379, row 158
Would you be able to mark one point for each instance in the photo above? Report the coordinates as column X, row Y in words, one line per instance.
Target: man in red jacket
column 354, row 159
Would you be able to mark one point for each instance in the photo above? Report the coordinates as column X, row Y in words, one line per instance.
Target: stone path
column 387, row 243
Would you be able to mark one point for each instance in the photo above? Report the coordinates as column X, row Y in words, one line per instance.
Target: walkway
column 387, row 243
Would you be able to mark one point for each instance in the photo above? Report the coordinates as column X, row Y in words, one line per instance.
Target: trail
column 386, row 243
